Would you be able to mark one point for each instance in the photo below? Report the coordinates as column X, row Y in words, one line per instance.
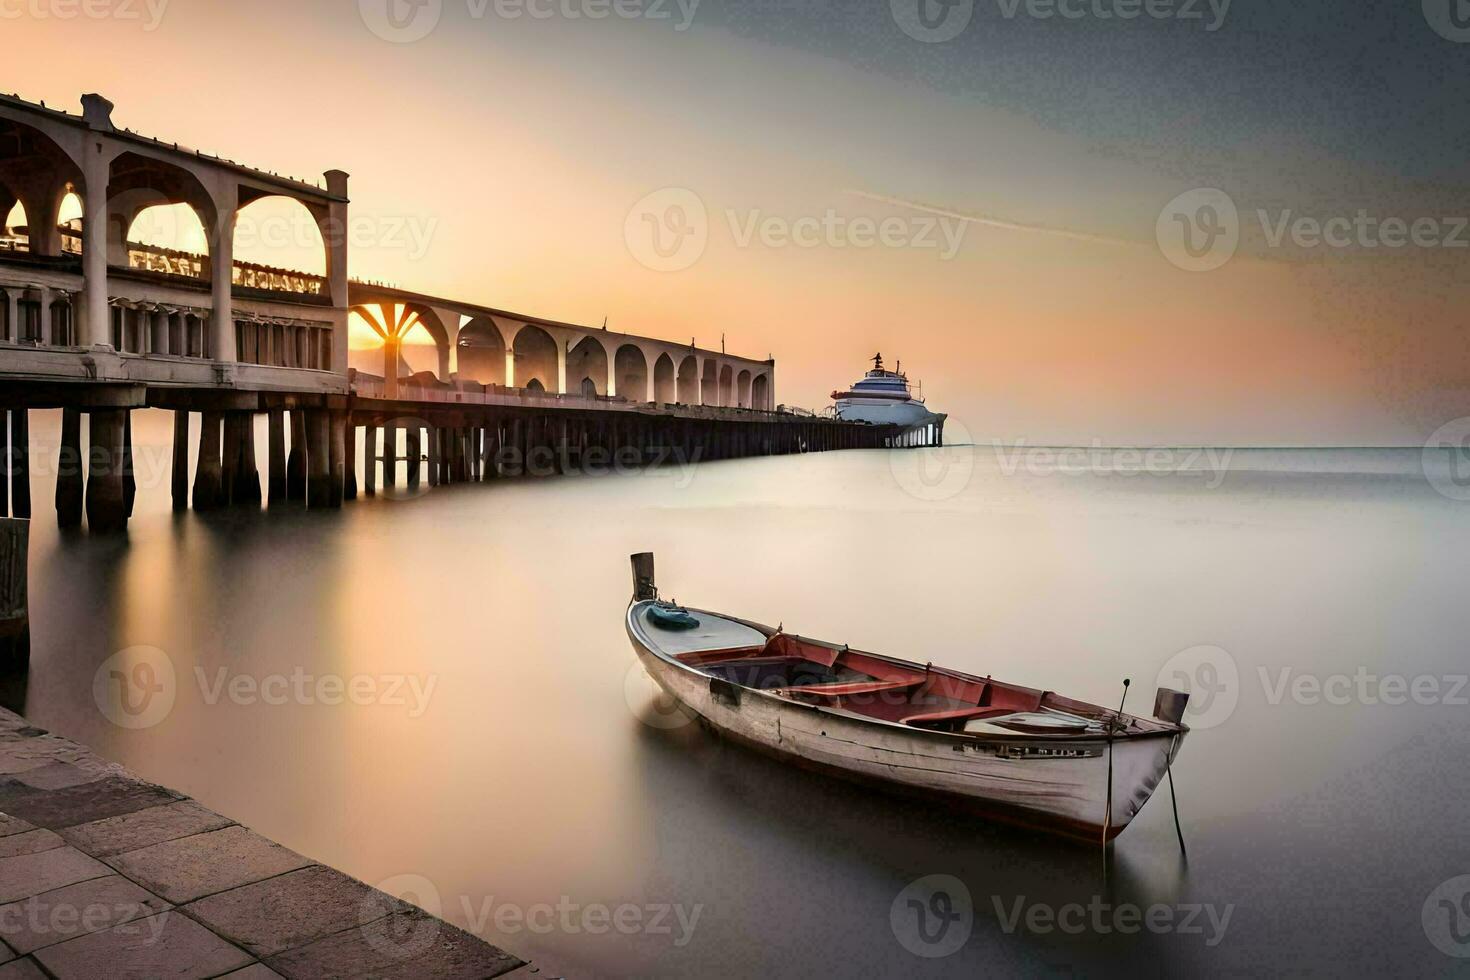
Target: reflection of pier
column 95, row 323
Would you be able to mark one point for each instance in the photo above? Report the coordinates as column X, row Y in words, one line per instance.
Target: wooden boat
column 1010, row 753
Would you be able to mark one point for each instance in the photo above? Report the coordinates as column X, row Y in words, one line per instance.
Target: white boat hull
column 1002, row 777
column 909, row 414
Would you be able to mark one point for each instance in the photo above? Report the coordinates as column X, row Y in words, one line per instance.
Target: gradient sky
column 498, row 160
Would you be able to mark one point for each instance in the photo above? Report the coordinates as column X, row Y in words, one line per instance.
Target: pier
column 98, row 325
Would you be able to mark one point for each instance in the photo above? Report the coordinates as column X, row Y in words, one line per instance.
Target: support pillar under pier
column 207, row 492
column 69, row 470
column 247, row 475
column 106, row 498
column 129, row 480
column 414, row 452
column 337, row 458
column 20, row 463
column 390, row 455
column 275, row 462
column 370, row 459
column 296, row 462
column 179, row 476
column 318, row 459
column 349, row 459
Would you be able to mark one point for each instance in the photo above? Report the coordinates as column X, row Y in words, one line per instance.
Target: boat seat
column 957, row 714
column 849, row 688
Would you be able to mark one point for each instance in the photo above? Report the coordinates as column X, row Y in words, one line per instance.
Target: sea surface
column 435, row 694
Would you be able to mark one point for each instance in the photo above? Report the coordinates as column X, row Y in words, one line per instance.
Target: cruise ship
column 884, row 397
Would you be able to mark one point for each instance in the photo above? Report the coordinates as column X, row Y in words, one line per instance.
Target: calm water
column 506, row 759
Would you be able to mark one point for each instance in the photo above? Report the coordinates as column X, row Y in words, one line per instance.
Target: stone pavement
column 104, row 875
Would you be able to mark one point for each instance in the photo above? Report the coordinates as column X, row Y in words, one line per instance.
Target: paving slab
column 24, row 754
column 6, row 953
column 409, row 945
column 291, row 910
column 13, row 825
column 60, row 775
column 167, row 946
column 25, row 969
column 189, row 868
column 143, row 828
column 33, row 874
column 58, row 808
column 255, row 971
column 90, row 906
column 30, row 842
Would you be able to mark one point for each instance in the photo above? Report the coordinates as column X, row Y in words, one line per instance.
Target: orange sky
column 498, row 163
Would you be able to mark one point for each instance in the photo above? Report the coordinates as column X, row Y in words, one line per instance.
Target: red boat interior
column 925, row 697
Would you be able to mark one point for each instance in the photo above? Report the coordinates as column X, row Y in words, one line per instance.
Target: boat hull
column 1004, row 779
column 909, row 414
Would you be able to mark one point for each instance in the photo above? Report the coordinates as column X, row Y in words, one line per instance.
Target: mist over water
column 519, row 759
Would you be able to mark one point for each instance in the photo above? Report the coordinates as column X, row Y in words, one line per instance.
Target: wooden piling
column 15, row 627
column 179, row 473
column 337, row 458
column 20, row 466
column 318, row 459
column 129, row 480
column 296, row 461
column 106, row 497
column 69, row 470
column 207, row 490
column 275, row 462
column 349, row 461
column 370, row 459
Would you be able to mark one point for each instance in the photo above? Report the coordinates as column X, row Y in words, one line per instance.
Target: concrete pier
column 105, row 493
column 69, row 486
column 171, row 888
column 15, row 627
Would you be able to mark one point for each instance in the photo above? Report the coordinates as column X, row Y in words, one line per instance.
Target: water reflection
column 520, row 776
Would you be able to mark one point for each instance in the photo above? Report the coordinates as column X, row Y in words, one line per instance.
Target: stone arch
column 587, row 365
column 535, row 359
column 138, row 183
column 36, row 172
column 760, row 392
column 727, row 387
column 687, row 385
column 481, row 350
column 279, row 232
column 535, row 385
column 709, row 390
column 665, row 387
column 631, row 370
column 742, row 389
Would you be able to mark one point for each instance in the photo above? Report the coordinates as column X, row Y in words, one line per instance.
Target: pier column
column 390, row 454
column 4, row 463
column 69, row 470
column 275, row 462
column 349, row 459
column 179, row 475
column 20, row 462
column 247, row 474
column 207, row 491
column 413, row 435
column 435, row 455
column 229, row 466
column 370, row 459
column 488, row 464
column 296, row 462
column 318, row 459
column 106, row 497
column 130, row 480
column 337, row 458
